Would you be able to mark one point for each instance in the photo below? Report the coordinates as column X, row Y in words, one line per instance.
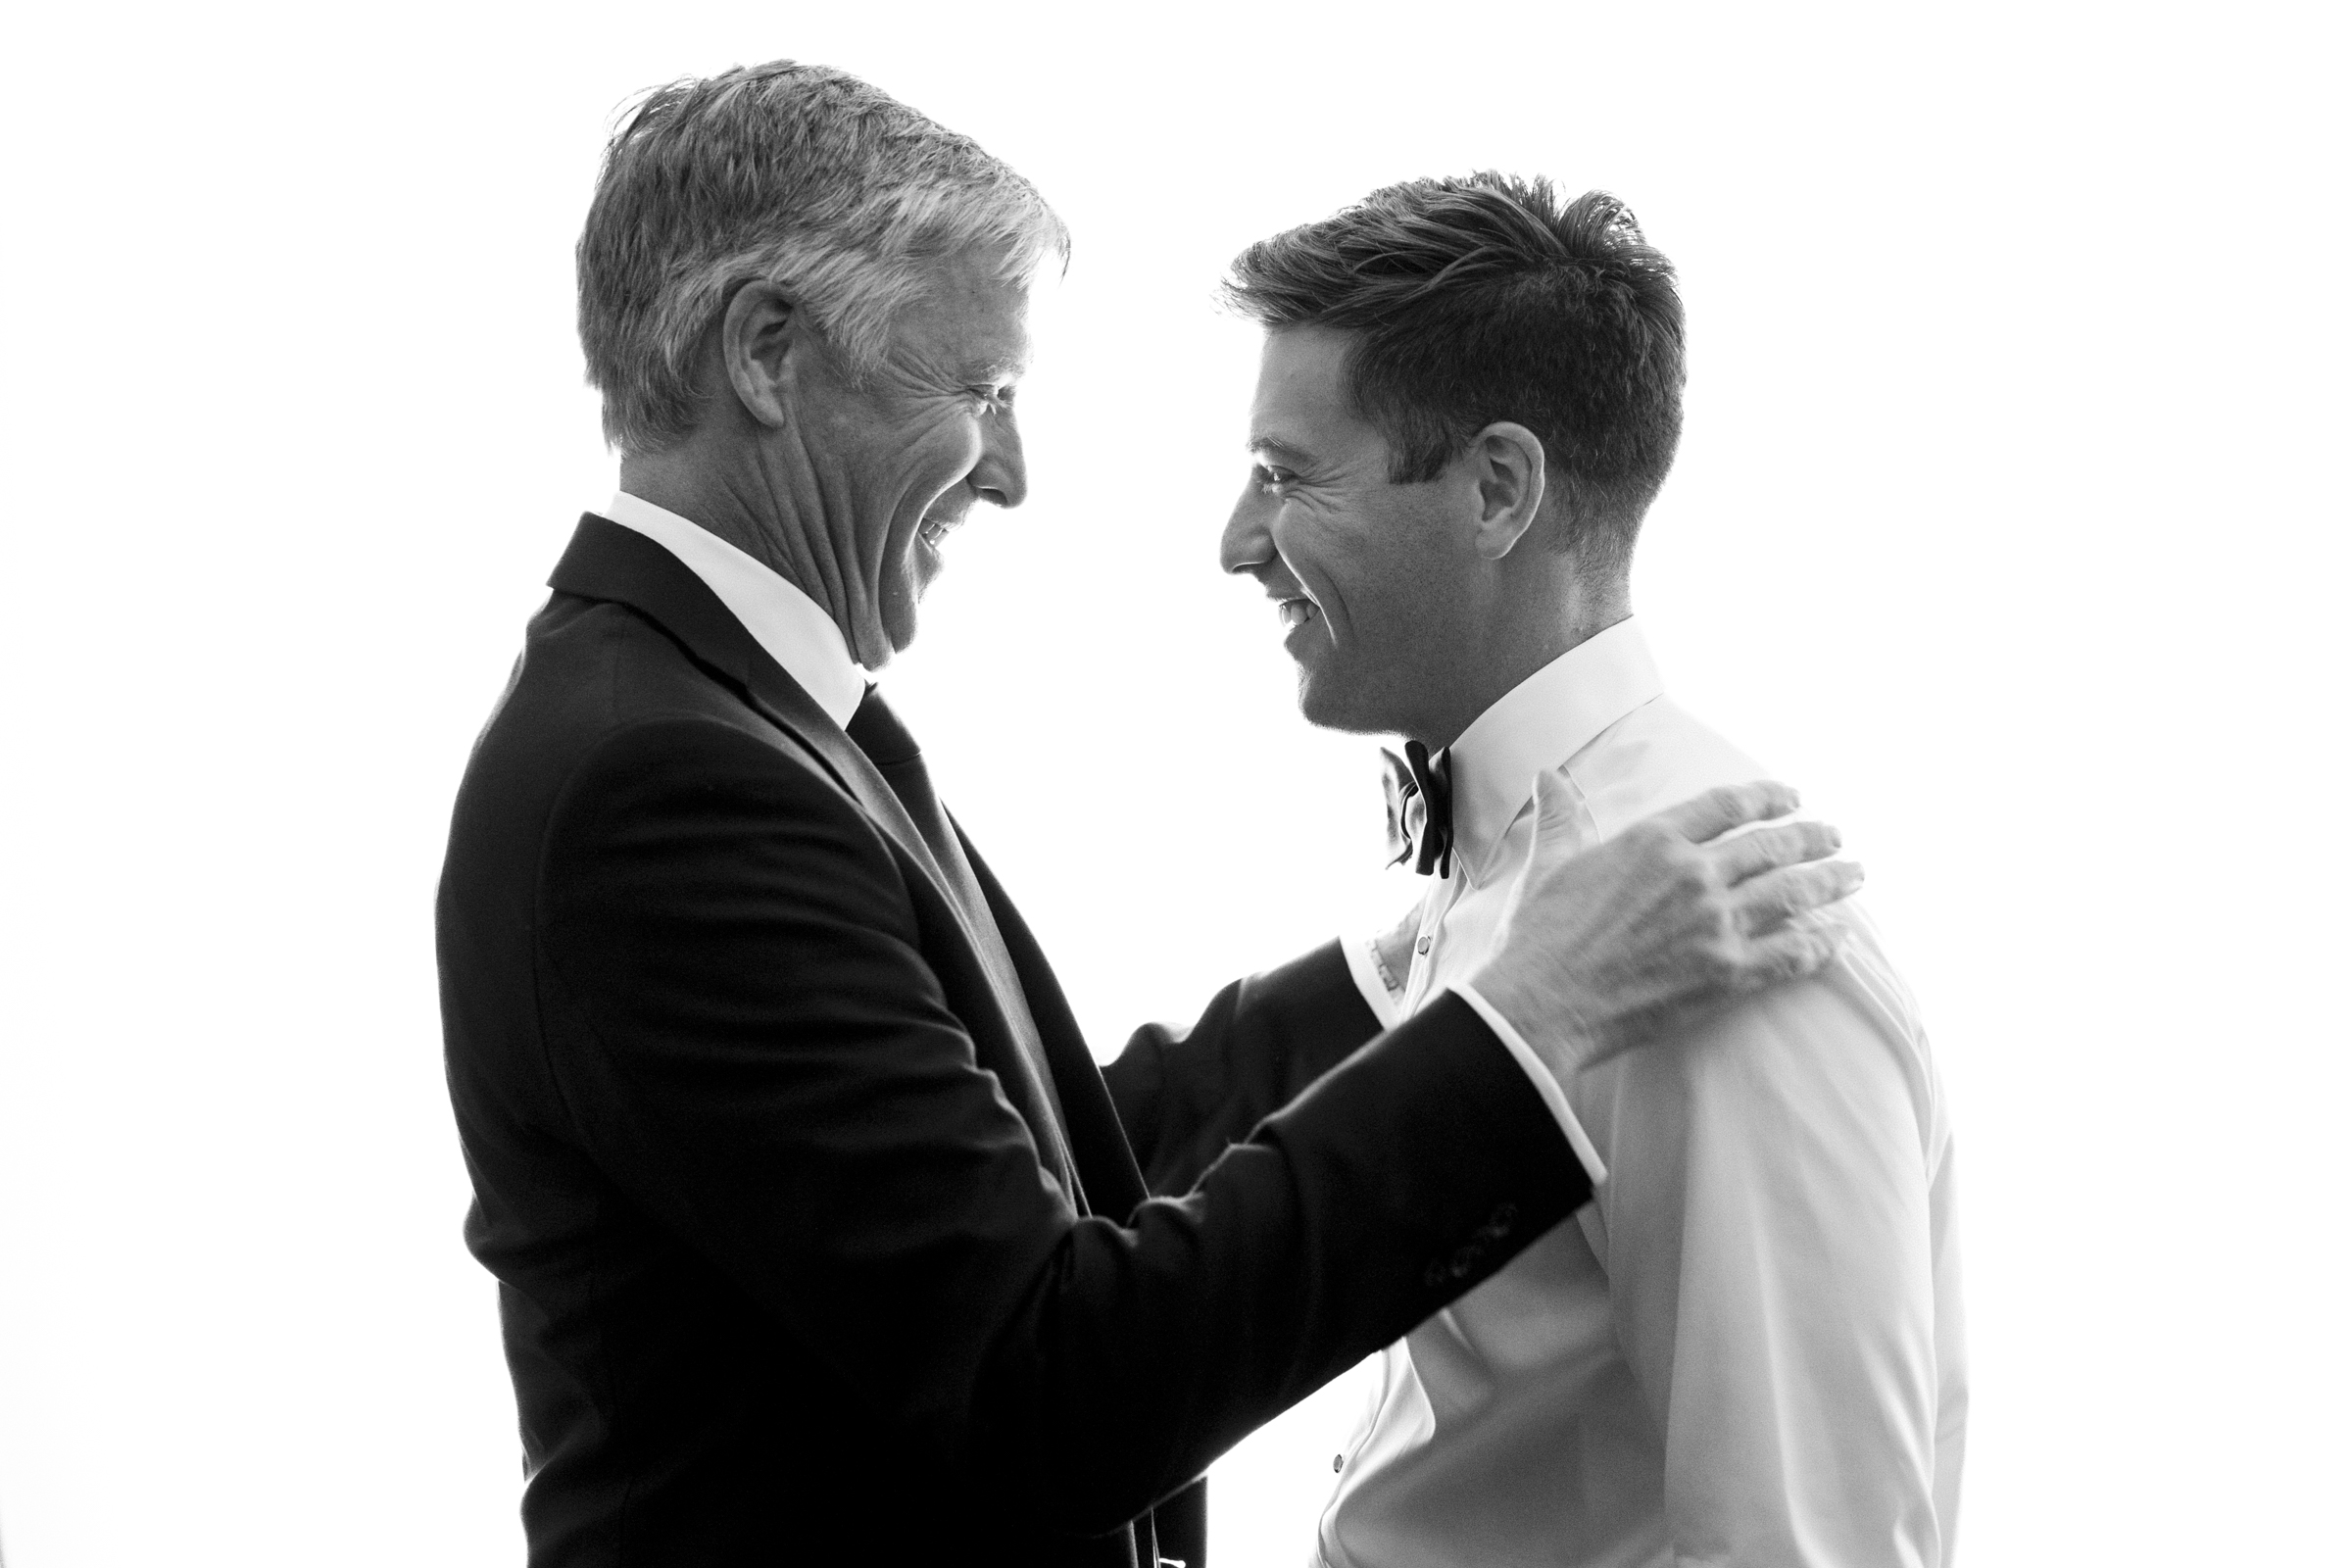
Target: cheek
column 1359, row 566
column 939, row 455
column 913, row 470
column 1315, row 545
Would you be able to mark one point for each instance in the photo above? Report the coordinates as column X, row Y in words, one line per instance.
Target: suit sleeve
column 756, row 1054
column 1184, row 1096
column 1766, row 1232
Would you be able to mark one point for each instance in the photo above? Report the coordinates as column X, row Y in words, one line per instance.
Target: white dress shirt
column 792, row 628
column 1746, row 1351
column 800, row 635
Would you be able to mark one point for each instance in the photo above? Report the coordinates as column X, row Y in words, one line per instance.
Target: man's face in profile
column 1366, row 572
column 896, row 459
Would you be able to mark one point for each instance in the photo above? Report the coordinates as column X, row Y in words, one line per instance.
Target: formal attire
column 820, row 1237
column 1748, row 1350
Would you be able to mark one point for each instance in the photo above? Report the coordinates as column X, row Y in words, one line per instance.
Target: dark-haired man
column 1748, row 1350
column 819, row 1238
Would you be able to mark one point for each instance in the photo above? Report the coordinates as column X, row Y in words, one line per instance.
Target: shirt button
column 1422, row 947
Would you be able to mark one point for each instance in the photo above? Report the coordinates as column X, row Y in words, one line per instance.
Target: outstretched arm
column 1183, row 1094
column 1673, row 920
column 760, row 1059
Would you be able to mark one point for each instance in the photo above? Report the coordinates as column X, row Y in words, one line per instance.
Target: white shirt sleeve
column 1766, row 1239
column 1363, row 965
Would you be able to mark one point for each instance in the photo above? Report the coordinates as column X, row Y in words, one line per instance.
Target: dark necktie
column 892, row 750
column 1420, row 794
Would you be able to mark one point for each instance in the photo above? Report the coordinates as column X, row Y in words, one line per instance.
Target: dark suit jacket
column 784, row 1274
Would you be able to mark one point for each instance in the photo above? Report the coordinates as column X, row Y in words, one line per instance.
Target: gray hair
column 798, row 175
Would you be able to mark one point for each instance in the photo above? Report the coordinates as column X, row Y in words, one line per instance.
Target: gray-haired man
column 820, row 1235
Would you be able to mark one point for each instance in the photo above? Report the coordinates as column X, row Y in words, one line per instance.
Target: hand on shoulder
column 1672, row 920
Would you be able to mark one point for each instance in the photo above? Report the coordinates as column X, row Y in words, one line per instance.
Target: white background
column 2009, row 523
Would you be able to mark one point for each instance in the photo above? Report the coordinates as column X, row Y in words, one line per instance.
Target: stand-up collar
column 1539, row 724
column 791, row 627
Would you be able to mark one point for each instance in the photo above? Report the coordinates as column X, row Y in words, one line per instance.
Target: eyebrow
column 1276, row 446
column 997, row 370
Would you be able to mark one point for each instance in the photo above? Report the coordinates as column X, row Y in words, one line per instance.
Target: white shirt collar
column 792, row 628
column 1540, row 723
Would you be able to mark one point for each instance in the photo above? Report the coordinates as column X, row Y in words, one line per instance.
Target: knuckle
column 1722, row 926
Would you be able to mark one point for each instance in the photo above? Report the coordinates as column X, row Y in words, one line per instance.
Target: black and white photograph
column 1490, row 787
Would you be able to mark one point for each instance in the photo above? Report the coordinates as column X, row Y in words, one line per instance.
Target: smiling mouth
column 935, row 530
column 1295, row 612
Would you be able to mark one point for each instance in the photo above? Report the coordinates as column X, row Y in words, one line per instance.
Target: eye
column 995, row 399
column 1269, row 480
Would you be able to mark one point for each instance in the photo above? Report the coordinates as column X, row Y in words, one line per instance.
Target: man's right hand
column 1673, row 920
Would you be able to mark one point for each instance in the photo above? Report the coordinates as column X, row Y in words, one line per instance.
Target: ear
column 761, row 341
column 1508, row 463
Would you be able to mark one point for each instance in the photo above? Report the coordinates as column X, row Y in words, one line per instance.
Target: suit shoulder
column 598, row 665
column 603, row 708
column 696, row 755
column 589, row 669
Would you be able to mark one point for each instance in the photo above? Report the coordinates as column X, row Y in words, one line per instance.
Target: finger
column 1774, row 898
column 1556, row 798
column 1552, row 816
column 1557, row 810
column 1767, row 848
column 1793, row 953
column 1721, row 809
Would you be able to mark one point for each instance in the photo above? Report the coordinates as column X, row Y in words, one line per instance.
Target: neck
column 1517, row 641
column 737, row 505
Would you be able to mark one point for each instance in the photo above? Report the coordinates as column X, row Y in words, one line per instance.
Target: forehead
column 1301, row 399
column 970, row 316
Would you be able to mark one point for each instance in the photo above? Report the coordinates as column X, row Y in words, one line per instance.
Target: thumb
column 1555, row 803
column 1555, row 814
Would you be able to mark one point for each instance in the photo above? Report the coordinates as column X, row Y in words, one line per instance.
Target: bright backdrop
column 2009, row 523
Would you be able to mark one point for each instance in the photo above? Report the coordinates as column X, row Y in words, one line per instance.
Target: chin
column 1327, row 703
column 894, row 626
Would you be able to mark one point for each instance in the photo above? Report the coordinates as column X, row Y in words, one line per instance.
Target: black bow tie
column 1420, row 794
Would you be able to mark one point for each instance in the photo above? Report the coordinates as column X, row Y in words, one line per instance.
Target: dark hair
column 1483, row 299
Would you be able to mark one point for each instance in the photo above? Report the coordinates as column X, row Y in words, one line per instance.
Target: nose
column 1001, row 476
column 1247, row 544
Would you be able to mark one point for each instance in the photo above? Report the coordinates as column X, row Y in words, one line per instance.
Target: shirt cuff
column 1554, row 1096
column 1363, row 964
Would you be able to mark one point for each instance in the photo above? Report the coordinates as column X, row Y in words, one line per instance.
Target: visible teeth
column 1295, row 612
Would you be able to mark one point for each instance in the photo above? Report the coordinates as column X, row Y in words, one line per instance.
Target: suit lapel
column 1099, row 1144
column 607, row 560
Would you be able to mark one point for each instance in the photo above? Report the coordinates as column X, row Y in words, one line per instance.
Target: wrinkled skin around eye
column 885, row 463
